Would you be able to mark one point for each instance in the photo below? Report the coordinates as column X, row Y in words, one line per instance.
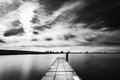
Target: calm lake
column 33, row 67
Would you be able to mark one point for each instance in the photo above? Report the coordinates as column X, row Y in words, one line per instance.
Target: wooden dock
column 60, row 70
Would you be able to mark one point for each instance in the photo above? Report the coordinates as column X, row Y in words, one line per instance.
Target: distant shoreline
column 20, row 52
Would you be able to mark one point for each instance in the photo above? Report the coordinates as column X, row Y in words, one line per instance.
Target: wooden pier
column 60, row 70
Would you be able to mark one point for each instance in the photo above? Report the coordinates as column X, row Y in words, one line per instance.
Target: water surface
column 33, row 67
column 96, row 66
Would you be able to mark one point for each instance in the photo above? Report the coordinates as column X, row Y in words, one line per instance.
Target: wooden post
column 67, row 57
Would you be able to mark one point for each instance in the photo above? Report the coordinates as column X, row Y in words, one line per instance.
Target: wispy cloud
column 56, row 29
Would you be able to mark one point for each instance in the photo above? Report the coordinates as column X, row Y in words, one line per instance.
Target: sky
column 68, row 25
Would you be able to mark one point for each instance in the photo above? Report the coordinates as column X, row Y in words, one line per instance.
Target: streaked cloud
column 31, row 25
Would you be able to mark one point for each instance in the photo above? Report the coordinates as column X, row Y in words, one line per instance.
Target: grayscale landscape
column 59, row 40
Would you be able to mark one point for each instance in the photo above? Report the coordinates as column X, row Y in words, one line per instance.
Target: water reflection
column 25, row 67
column 33, row 67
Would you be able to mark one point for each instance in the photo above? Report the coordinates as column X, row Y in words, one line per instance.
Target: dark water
column 96, row 66
column 87, row 66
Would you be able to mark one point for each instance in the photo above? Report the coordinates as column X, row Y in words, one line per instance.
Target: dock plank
column 60, row 70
